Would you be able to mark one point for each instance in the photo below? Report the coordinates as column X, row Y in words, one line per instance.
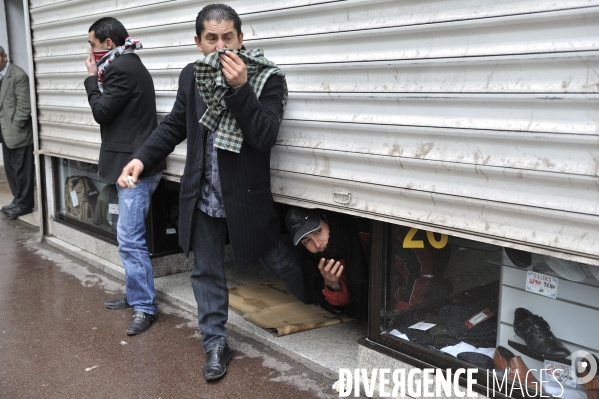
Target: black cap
column 301, row 221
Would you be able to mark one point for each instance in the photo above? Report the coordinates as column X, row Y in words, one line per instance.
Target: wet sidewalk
column 58, row 341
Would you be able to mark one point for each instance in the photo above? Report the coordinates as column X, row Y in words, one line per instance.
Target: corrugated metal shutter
column 474, row 118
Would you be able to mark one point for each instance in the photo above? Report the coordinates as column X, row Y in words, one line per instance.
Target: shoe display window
column 83, row 200
column 448, row 302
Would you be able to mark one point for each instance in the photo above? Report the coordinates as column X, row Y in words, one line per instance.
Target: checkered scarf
column 213, row 86
column 131, row 44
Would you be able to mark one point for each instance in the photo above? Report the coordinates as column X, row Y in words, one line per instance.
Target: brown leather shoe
column 592, row 387
column 515, row 368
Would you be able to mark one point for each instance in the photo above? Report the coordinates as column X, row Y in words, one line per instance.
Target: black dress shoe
column 519, row 258
column 477, row 359
column 7, row 208
column 140, row 322
column 216, row 362
column 16, row 212
column 118, row 304
column 541, row 344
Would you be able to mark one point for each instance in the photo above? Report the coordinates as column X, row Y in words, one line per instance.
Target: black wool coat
column 126, row 112
column 245, row 177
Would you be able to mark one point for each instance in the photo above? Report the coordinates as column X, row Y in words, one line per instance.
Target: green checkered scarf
column 213, row 87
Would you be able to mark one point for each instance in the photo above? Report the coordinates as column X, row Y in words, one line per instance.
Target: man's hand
column 90, row 63
column 133, row 169
column 234, row 69
column 331, row 271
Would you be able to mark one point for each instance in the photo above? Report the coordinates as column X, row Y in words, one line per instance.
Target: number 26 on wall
column 410, row 242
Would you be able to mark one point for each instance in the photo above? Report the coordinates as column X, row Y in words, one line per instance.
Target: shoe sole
column 216, row 377
column 536, row 355
column 14, row 217
column 117, row 307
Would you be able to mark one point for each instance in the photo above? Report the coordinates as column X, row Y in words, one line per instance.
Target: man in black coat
column 120, row 92
column 222, row 188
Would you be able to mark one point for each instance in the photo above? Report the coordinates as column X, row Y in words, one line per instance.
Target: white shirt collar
column 3, row 72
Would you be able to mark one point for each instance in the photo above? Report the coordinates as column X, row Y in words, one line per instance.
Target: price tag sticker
column 563, row 373
column 541, row 284
column 478, row 318
column 113, row 209
column 74, row 198
column 422, row 326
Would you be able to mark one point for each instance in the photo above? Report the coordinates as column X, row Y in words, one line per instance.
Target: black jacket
column 245, row 177
column 126, row 112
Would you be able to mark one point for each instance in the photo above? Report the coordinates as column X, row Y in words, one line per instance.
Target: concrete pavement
column 58, row 341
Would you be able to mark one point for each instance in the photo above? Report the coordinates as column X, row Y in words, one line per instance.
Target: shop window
column 87, row 203
column 454, row 303
column 83, row 200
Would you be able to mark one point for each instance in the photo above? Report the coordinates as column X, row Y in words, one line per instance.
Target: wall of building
column 15, row 22
column 476, row 120
column 4, row 44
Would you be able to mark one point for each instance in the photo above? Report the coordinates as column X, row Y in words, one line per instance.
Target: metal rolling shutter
column 478, row 119
column 59, row 34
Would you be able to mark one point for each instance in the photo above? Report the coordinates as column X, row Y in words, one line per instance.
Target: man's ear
column 110, row 44
column 198, row 43
column 240, row 40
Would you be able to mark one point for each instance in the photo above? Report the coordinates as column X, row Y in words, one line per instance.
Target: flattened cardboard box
column 270, row 306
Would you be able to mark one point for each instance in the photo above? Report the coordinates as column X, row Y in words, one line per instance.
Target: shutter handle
column 341, row 196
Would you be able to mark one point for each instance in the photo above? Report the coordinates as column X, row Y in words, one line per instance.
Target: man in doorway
column 120, row 92
column 16, row 135
column 335, row 260
column 238, row 97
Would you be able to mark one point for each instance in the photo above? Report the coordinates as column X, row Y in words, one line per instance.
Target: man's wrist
column 334, row 286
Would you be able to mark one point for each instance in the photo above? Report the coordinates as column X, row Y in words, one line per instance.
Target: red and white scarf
column 131, row 44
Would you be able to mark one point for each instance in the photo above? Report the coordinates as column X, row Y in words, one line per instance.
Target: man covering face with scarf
column 120, row 92
column 229, row 106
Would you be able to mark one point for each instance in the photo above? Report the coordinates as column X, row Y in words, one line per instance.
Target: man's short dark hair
column 218, row 13
column 109, row 27
column 2, row 51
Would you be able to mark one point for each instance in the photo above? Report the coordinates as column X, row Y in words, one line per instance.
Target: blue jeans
column 134, row 204
column 210, row 284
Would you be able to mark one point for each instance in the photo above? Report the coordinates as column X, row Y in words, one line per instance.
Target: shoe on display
column 521, row 259
column 477, row 359
column 594, row 271
column 514, row 367
column 566, row 268
column 541, row 344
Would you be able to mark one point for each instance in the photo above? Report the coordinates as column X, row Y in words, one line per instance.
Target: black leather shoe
column 477, row 359
column 118, row 304
column 541, row 344
column 7, row 208
column 140, row 322
column 519, row 258
column 216, row 362
column 16, row 212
